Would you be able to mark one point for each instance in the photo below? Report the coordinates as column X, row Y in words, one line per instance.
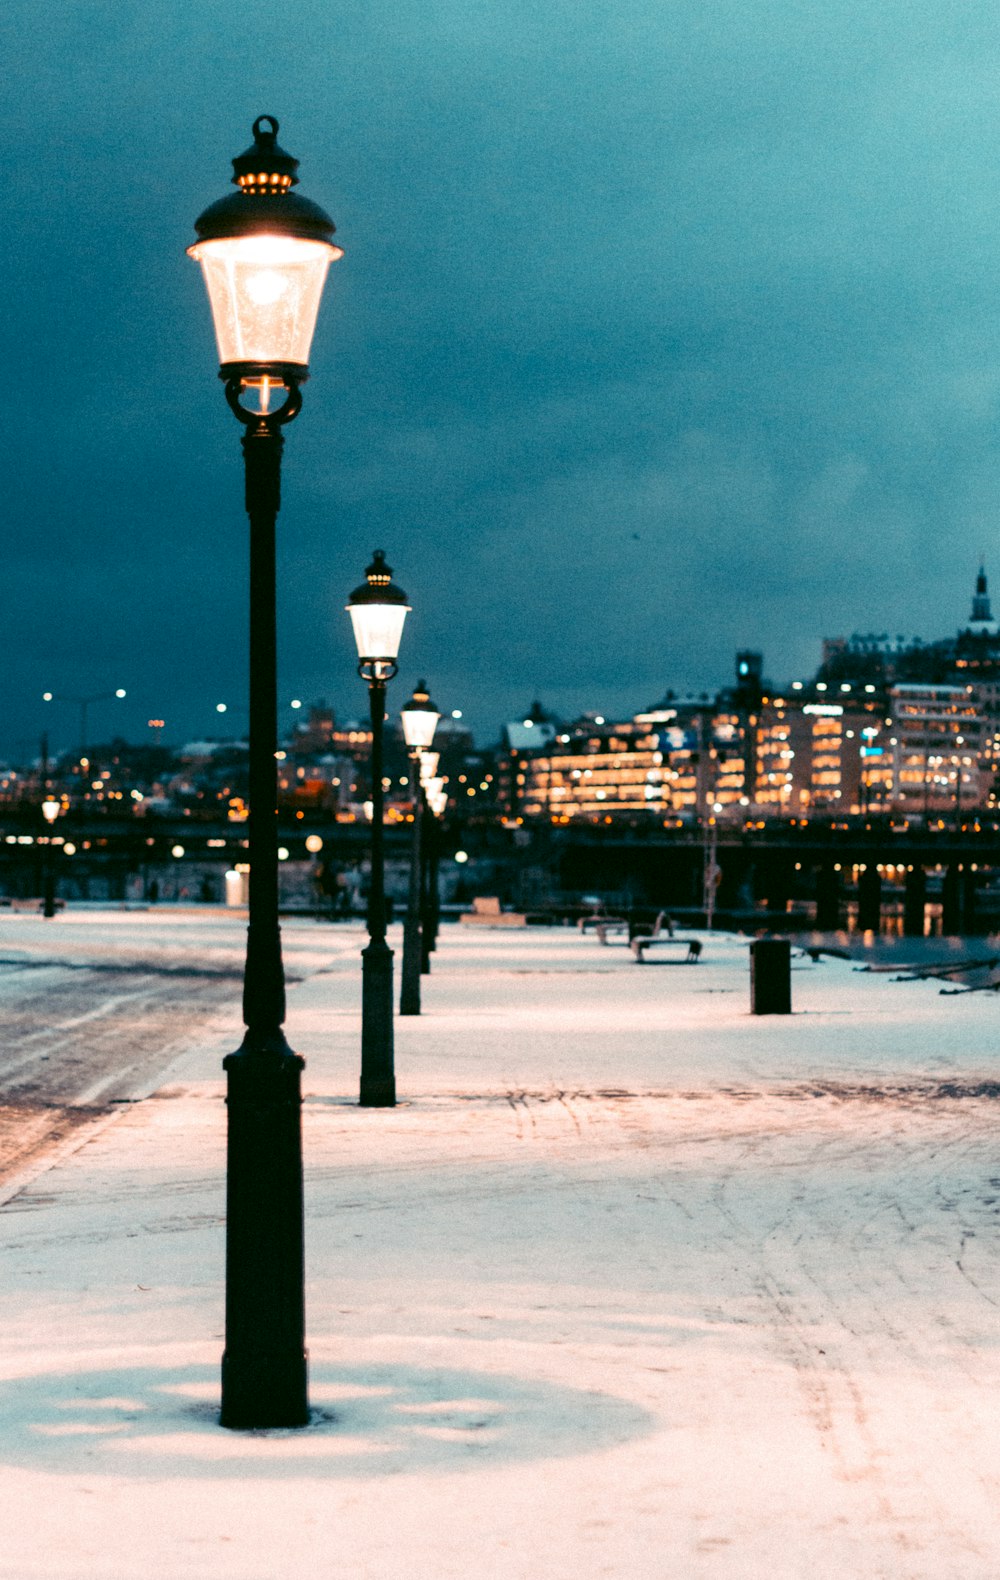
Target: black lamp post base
column 378, row 1078
column 264, row 1390
column 378, row 1094
column 409, row 998
column 264, row 1366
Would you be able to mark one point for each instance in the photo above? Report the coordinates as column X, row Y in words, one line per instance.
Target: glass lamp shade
column 264, row 292
column 429, row 766
column 51, row 809
column 378, row 610
column 378, row 629
column 420, row 718
column 264, row 251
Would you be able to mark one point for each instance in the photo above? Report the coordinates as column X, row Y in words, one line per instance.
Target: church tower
column 982, row 622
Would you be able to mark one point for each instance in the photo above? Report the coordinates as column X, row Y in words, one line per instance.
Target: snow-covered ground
column 630, row 1284
column 94, row 1004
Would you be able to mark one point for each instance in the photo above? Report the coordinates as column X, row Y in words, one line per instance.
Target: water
column 922, row 953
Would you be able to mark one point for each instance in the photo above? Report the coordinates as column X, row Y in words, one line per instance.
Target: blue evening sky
column 663, row 329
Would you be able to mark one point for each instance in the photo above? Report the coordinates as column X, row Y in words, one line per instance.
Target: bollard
column 771, row 977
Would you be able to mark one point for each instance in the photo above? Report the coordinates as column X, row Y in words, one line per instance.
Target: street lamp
column 430, row 850
column 420, row 718
column 83, row 703
column 377, row 609
column 264, row 252
column 51, row 809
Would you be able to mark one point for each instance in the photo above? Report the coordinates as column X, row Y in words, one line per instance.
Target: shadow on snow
column 148, row 1421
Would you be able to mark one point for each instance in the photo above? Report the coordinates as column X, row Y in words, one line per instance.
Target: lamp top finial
column 378, row 573
column 264, row 167
column 265, row 174
column 378, row 586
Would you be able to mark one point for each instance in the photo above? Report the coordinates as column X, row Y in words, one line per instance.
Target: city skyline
column 221, row 718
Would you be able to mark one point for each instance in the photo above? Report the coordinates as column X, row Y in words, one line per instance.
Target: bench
column 600, row 919
column 486, row 912
column 624, row 924
column 35, row 905
column 693, row 946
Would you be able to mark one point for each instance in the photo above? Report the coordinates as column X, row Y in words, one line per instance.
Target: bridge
column 876, row 860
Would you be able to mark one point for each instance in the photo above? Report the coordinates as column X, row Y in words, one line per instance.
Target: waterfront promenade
column 630, row 1284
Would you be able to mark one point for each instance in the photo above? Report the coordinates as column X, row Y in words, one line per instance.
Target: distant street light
column 83, row 703
column 264, row 252
column 227, row 710
column 51, row 809
column 378, row 609
column 420, row 719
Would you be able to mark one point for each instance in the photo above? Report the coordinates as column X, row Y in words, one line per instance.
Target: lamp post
column 83, row 703
column 377, row 609
column 51, row 809
column 428, row 864
column 420, row 718
column 437, row 800
column 264, row 252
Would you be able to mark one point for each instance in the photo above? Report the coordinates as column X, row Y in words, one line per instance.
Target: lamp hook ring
column 272, row 123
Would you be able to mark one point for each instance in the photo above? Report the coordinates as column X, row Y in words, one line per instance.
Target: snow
column 631, row 1283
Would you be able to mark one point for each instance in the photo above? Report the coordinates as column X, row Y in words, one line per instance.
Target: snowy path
column 629, row 1285
column 94, row 1005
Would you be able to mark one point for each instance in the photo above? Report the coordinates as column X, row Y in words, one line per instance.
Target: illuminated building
column 977, row 646
column 682, row 758
column 610, row 771
column 981, row 621
column 942, row 747
column 522, row 739
column 783, row 742
column 817, row 754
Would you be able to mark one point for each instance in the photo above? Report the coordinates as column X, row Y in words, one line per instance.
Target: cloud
column 661, row 330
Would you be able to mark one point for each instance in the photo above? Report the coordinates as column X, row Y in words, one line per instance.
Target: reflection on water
column 894, row 949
